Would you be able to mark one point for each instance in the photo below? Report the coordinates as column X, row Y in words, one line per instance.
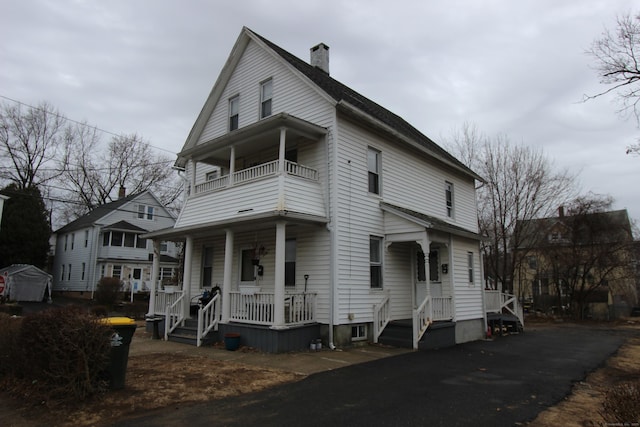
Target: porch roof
column 213, row 228
column 429, row 221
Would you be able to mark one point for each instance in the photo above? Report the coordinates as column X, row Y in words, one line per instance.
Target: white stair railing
column 422, row 318
column 381, row 316
column 208, row 317
column 174, row 315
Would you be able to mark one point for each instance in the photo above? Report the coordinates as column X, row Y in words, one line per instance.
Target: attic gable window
column 145, row 212
column 234, row 112
column 266, row 96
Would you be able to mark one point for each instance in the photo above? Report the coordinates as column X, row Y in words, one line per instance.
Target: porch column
column 192, row 178
column 232, row 164
column 426, row 250
column 281, row 153
column 155, row 269
column 278, row 309
column 226, row 281
column 186, row 276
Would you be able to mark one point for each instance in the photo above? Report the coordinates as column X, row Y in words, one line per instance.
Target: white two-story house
column 108, row 242
column 318, row 213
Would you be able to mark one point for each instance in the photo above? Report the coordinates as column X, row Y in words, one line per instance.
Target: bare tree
column 617, row 56
column 95, row 175
column 31, row 139
column 520, row 184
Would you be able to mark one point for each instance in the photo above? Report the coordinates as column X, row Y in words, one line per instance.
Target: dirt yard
column 184, row 378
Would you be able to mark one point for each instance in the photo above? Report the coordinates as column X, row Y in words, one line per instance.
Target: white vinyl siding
column 468, row 299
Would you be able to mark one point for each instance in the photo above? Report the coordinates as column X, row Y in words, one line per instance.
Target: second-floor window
column 448, row 194
column 373, row 165
column 145, row 212
column 119, row 238
column 86, row 238
column 470, row 267
column 266, row 97
column 234, row 112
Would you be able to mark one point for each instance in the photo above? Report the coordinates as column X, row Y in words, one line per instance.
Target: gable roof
column 346, row 100
column 101, row 211
column 124, row 226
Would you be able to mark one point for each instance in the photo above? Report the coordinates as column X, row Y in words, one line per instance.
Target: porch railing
column 498, row 302
column 381, row 316
column 442, row 308
column 174, row 315
column 422, row 318
column 258, row 308
column 257, row 172
column 163, row 299
column 208, row 318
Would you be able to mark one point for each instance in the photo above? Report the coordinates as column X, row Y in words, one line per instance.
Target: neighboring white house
column 328, row 216
column 107, row 242
column 2, row 199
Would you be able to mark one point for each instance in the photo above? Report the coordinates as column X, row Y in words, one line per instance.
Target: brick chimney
column 122, row 192
column 320, row 57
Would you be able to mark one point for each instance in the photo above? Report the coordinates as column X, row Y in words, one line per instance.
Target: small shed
column 25, row 282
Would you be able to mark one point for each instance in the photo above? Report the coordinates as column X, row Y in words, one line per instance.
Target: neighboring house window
column 373, row 164
column 266, row 98
column 73, row 240
column 166, row 273
column 164, row 247
column 129, row 240
column 234, row 110
column 533, row 262
column 470, row 267
column 207, row 266
column 448, row 193
column 62, row 275
column 555, row 236
column 69, row 273
column 86, row 238
column 84, row 266
column 375, row 262
column 141, row 243
column 66, row 241
column 247, row 273
column 116, row 238
column 116, row 271
column 290, row 263
column 145, row 212
column 434, row 265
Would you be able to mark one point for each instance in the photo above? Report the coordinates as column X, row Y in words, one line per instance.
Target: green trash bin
column 123, row 329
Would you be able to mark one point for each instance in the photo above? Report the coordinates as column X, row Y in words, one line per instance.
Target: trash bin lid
column 118, row 321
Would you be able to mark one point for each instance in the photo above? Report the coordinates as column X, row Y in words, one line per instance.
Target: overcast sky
column 510, row 67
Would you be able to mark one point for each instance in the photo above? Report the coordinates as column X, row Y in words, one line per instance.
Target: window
column 266, row 95
column 207, row 266
column 448, row 194
column 86, row 238
column 533, row 262
column 141, row 243
column 470, row 267
column 373, row 164
column 145, row 212
column 166, row 273
column 375, row 262
column 422, row 271
column 247, row 274
column 234, row 109
column 116, row 271
column 73, row 240
column 66, row 241
column 102, row 270
column 290, row 263
column 164, row 247
column 69, row 273
column 62, row 275
column 434, row 265
column 212, row 175
column 116, row 238
column 106, row 238
column 129, row 240
column 358, row 332
column 84, row 266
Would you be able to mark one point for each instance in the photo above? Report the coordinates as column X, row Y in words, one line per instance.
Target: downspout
column 332, row 226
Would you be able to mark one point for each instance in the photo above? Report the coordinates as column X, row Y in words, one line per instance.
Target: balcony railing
column 254, row 173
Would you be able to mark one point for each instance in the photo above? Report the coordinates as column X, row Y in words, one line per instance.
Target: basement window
column 359, row 332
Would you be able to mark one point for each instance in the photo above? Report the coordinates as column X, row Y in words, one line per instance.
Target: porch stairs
column 399, row 333
column 504, row 323
column 188, row 334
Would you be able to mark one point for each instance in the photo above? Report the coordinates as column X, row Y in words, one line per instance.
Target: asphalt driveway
column 486, row 383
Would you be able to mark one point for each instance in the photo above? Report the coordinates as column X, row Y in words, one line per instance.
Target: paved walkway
column 494, row 383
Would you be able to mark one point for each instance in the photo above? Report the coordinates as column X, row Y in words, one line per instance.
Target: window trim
column 377, row 173
column 376, row 265
column 264, row 101
column 234, row 113
column 471, row 269
column 449, row 199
